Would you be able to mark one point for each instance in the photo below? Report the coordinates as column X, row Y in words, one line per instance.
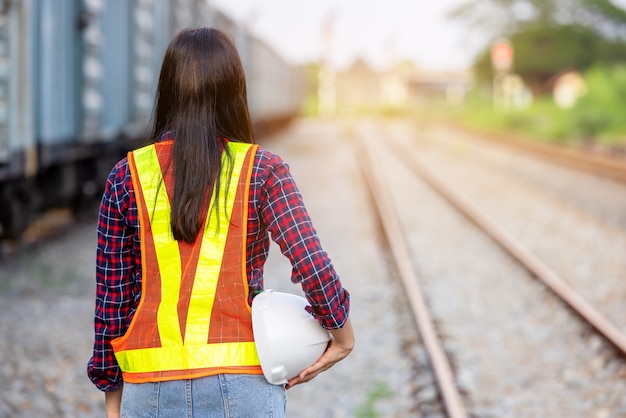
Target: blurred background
column 77, row 84
column 77, row 78
column 552, row 69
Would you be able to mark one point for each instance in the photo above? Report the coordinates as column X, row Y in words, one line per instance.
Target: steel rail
column 537, row 267
column 607, row 166
column 441, row 367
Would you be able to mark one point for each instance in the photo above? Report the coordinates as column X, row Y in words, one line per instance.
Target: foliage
column 548, row 36
column 504, row 17
column 543, row 50
column 368, row 409
column 600, row 113
column 603, row 16
column 597, row 118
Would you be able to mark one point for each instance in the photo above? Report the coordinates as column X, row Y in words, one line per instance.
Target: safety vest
column 193, row 317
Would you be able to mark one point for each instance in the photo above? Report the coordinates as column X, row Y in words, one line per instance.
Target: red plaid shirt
column 275, row 208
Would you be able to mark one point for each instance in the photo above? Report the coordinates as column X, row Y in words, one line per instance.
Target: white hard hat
column 288, row 339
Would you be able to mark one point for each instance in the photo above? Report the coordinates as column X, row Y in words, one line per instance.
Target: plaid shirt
column 276, row 208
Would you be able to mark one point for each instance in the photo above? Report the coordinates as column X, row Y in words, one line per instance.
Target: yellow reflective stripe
column 166, row 248
column 212, row 250
column 204, row 287
column 188, row 357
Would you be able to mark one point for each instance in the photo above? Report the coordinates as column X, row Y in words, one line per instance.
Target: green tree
column 503, row 17
column 548, row 36
column 543, row 50
column 598, row 115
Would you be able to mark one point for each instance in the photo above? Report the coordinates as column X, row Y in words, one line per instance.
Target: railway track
column 399, row 249
column 609, row 166
column 369, row 153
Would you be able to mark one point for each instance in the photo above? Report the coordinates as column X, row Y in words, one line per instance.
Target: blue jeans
column 223, row 395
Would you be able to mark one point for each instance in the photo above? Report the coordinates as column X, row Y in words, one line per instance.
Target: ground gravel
column 518, row 351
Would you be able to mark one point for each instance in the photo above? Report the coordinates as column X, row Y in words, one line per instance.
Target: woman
column 183, row 235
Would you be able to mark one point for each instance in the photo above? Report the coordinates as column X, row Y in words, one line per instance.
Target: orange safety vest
column 193, row 318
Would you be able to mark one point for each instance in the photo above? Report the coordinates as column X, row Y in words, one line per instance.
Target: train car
column 77, row 82
column 275, row 90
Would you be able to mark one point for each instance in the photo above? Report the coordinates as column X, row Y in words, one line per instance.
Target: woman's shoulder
column 119, row 178
column 266, row 159
column 269, row 167
column 120, row 169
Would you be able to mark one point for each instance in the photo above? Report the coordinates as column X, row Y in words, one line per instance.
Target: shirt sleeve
column 290, row 226
column 117, row 275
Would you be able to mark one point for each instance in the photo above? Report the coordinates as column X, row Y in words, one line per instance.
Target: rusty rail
column 550, row 278
column 441, row 367
column 607, row 166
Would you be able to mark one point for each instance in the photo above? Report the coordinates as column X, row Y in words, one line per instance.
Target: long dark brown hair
column 201, row 97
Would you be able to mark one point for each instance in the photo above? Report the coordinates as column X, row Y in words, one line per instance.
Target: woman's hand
column 339, row 347
column 112, row 402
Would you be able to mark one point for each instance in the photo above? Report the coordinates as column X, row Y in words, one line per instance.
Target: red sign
column 502, row 56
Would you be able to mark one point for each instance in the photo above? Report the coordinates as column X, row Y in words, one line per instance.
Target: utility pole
column 502, row 64
column 326, row 77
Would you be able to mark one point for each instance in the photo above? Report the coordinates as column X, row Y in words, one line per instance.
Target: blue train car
column 77, row 82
